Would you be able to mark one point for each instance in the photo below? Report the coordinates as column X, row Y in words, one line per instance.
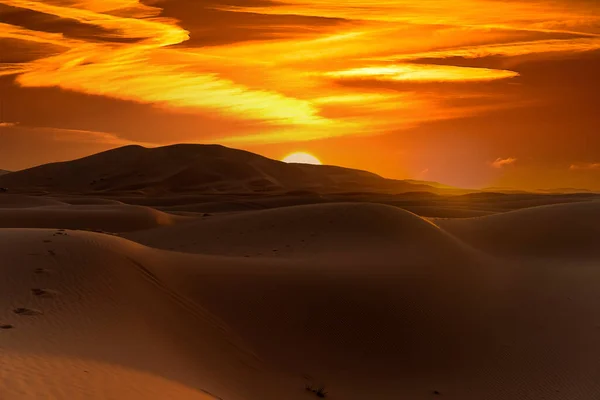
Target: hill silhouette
column 196, row 168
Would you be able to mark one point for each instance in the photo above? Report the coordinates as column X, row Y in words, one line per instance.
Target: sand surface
column 496, row 298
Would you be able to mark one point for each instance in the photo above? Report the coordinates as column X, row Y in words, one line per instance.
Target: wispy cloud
column 295, row 86
column 86, row 136
column 77, row 135
column 570, row 45
column 585, row 166
column 503, row 162
column 424, row 73
column 422, row 174
column 490, row 13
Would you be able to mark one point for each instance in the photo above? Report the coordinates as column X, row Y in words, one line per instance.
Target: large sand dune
column 41, row 212
column 568, row 230
column 100, row 328
column 369, row 300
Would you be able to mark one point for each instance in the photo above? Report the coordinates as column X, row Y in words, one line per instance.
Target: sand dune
column 87, row 200
column 108, row 331
column 21, row 201
column 341, row 229
column 111, row 218
column 412, row 312
column 447, row 212
column 567, row 230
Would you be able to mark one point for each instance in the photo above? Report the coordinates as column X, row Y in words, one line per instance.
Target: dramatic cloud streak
column 272, row 82
column 265, row 73
column 424, row 73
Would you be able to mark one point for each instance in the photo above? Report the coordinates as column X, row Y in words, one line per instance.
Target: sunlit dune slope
column 189, row 167
column 96, row 327
column 22, row 201
column 567, row 230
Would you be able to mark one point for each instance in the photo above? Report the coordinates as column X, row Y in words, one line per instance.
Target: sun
column 302, row 158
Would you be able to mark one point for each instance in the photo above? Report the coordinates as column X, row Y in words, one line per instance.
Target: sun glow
column 302, row 158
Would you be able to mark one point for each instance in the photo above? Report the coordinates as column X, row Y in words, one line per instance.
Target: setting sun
column 302, row 158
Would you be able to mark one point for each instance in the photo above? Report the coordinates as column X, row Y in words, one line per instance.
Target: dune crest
column 304, row 231
column 46, row 213
column 561, row 230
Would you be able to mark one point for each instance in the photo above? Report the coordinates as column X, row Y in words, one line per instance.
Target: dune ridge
column 319, row 229
column 105, row 217
column 561, row 230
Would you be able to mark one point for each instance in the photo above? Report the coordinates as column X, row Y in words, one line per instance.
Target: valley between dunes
column 105, row 300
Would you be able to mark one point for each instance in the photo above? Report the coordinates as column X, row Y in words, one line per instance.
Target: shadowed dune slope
column 192, row 167
column 115, row 319
column 85, row 200
column 568, row 230
column 304, row 231
column 446, row 212
column 22, row 201
column 111, row 218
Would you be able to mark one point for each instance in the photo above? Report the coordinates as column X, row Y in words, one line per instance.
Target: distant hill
column 429, row 183
column 197, row 168
column 539, row 191
column 565, row 190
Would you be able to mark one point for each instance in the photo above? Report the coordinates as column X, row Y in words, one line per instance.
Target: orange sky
column 471, row 93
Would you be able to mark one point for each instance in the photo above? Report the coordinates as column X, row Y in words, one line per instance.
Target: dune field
column 293, row 294
column 368, row 301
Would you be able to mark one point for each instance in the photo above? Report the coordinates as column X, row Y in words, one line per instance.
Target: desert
column 113, row 294
column 299, row 199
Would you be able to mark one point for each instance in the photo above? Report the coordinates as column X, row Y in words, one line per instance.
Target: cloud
column 424, row 73
column 146, row 71
column 422, row 174
column 86, row 136
column 521, row 48
column 502, row 162
column 76, row 135
column 295, row 71
column 489, row 13
column 585, row 166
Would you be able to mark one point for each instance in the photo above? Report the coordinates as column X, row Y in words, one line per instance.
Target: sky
column 470, row 93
